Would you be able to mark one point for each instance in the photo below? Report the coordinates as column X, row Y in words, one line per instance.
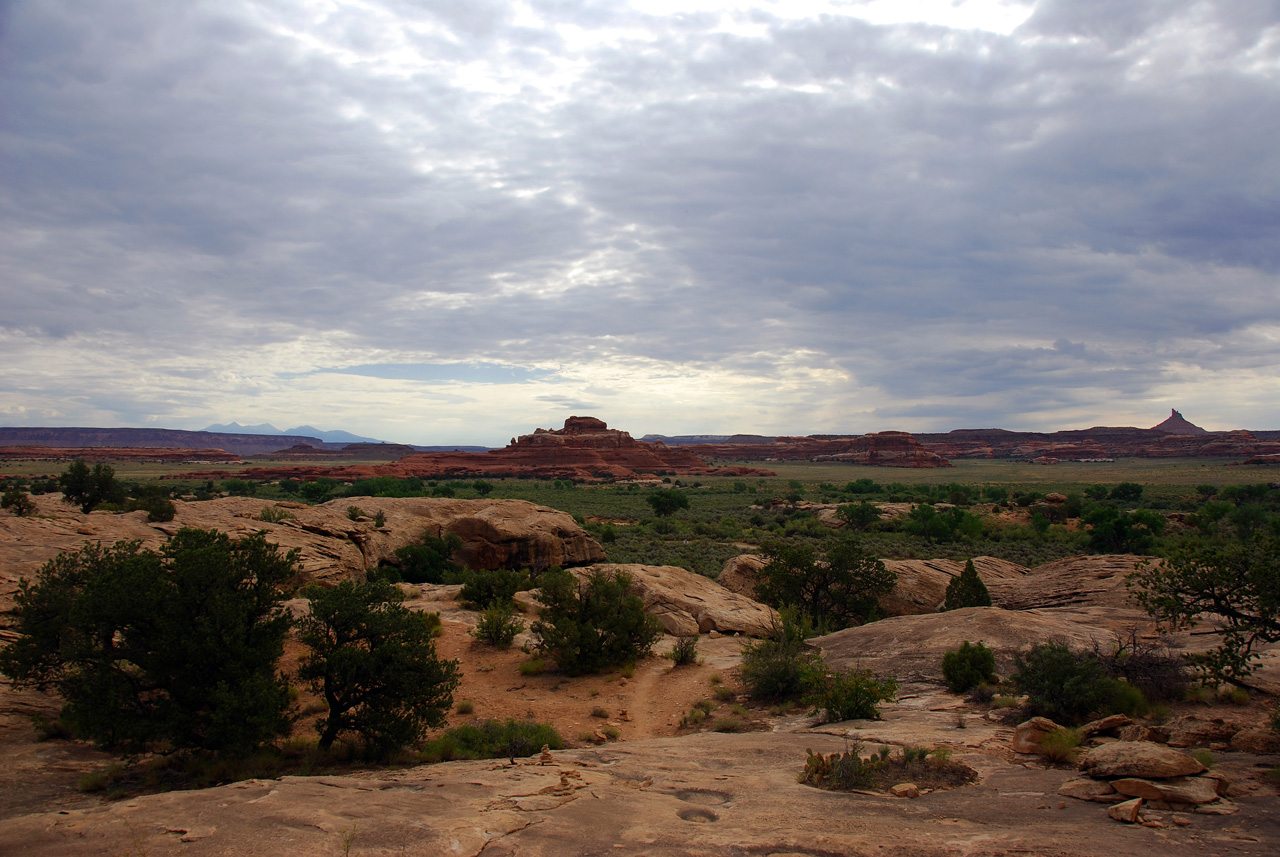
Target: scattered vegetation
column 849, row 694
column 835, row 592
column 493, row 739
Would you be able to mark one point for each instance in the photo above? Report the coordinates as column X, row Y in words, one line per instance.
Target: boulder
column 1126, row 811
column 1195, row 731
column 1138, row 759
column 1028, row 734
column 740, row 574
column 1192, row 790
column 1106, row 724
column 905, row 790
column 1086, row 788
column 1262, row 740
column 687, row 603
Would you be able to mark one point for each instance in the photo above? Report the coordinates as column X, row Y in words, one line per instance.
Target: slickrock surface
column 718, row 794
column 688, row 604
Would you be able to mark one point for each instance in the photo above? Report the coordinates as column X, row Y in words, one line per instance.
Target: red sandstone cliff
column 886, row 449
column 585, row 450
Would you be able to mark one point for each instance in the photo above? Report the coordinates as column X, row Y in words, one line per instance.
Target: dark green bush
column 849, row 694
column 594, row 624
column 1070, row 687
column 781, row 666
column 487, row 588
column 431, row 560
column 498, row 625
column 967, row 590
column 968, row 666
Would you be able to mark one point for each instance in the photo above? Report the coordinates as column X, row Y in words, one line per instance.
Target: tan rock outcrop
column 687, row 603
column 922, row 583
column 741, row 573
column 1087, row 788
column 1029, row 733
column 1141, row 759
column 1195, row 731
column 1192, row 790
column 1127, row 811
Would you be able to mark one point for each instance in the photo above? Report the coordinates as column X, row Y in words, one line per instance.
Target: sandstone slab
column 687, row 603
column 1192, row 790
column 1138, row 759
column 1127, row 811
column 1028, row 734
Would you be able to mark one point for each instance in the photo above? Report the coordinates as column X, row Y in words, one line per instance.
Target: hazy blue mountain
column 335, row 436
column 236, row 428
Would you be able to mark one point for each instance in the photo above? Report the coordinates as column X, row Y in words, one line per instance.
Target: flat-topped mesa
column 885, row 449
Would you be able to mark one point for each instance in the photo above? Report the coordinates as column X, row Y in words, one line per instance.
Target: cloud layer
column 455, row 221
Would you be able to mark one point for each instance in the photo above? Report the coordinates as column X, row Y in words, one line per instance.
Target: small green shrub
column 1060, row 746
column 968, row 666
column 19, row 502
column 778, row 667
column 533, row 666
column 355, row 513
column 724, row 693
column 491, row 739
column 694, row 717
column 600, row 713
column 684, row 652
column 726, row 724
column 465, row 707
column 849, row 695
column 498, row 625
column 273, row 514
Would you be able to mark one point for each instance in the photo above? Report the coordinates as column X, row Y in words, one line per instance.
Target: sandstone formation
column 585, row 450
column 883, row 449
column 1028, row 735
column 1099, row 442
column 332, row 547
column 740, row 574
column 1142, row 759
column 688, row 604
column 671, row 797
column 1178, row 424
column 910, row 648
column 922, row 583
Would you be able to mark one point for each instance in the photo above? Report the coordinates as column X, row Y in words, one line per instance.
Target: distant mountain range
column 336, row 436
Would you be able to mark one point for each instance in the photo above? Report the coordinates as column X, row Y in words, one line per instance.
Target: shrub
column 492, row 739
column 466, row 707
column 498, row 625
column 844, row 771
column 726, row 724
column 487, row 588
column 838, row 591
column 176, row 647
column 667, row 501
column 1060, row 746
column 968, row 666
column 90, row 487
column 685, row 651
column 1063, row 685
column 375, row 663
column 273, row 514
column 849, row 694
column 18, row 501
column 355, row 513
column 967, row 590
column 1150, row 667
column 533, row 666
column 779, row 667
column 158, row 509
column 431, row 560
column 592, row 625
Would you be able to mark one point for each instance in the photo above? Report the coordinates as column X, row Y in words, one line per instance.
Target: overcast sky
column 453, row 221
